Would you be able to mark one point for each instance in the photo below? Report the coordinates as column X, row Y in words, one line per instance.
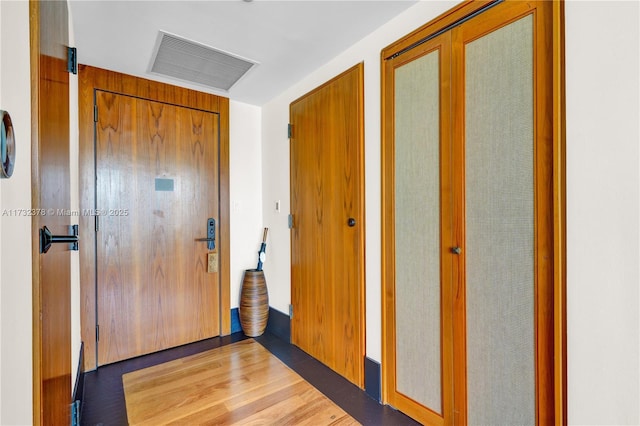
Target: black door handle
column 351, row 222
column 46, row 239
column 211, row 234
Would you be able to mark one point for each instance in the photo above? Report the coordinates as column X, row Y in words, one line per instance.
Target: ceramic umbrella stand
column 254, row 298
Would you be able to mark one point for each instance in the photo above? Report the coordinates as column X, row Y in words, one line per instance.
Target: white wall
column 275, row 162
column 15, row 276
column 245, row 153
column 74, row 195
column 602, row 186
column 602, row 211
column 1, row 224
column 15, row 193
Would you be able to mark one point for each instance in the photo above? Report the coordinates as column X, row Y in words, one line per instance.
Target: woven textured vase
column 254, row 303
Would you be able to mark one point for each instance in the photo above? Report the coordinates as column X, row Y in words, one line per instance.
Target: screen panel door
column 499, row 223
column 503, row 160
column 420, row 326
column 487, row 199
column 156, row 188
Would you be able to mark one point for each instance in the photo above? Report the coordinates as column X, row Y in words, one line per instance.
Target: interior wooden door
column 327, row 239
column 51, row 270
column 156, row 189
column 468, row 218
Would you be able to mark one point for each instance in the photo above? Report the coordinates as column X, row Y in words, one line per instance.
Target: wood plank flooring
column 241, row 383
column 104, row 403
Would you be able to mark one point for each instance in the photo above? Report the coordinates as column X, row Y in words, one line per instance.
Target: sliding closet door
column 468, row 233
column 499, row 223
column 420, row 317
column 503, row 169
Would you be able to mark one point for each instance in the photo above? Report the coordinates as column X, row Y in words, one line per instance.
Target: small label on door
column 163, row 184
column 212, row 263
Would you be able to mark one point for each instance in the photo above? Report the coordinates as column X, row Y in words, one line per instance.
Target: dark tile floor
column 104, row 404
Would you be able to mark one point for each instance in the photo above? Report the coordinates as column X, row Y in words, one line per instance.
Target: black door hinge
column 72, row 60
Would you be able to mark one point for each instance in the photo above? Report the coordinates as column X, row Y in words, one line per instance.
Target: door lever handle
column 211, row 234
column 46, row 239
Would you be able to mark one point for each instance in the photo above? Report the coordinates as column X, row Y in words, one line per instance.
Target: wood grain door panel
column 327, row 254
column 156, row 170
column 50, row 193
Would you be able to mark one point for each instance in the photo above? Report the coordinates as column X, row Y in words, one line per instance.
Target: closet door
column 468, row 237
column 418, row 317
column 504, row 216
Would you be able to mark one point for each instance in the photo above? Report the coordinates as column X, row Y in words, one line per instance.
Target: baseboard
column 235, row 321
column 78, row 388
column 372, row 378
column 279, row 324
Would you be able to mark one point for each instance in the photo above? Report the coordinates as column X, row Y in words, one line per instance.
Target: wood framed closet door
column 503, row 157
column 417, row 234
column 498, row 179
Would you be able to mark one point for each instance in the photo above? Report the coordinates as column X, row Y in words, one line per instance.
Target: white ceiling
column 288, row 39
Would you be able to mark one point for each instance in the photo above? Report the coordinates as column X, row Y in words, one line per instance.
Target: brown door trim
column 91, row 78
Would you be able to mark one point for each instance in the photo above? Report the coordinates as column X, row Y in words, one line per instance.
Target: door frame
column 558, row 208
column 90, row 79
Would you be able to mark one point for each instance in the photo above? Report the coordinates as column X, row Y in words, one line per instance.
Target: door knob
column 46, row 239
column 351, row 222
column 456, row 250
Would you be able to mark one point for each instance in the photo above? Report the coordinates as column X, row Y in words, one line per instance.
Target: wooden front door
column 50, row 177
column 327, row 239
column 156, row 189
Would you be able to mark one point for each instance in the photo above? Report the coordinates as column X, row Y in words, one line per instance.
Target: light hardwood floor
column 241, row 383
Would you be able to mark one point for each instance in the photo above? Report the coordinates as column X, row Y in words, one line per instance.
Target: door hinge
column 97, row 333
column 75, row 413
column 97, row 222
column 290, row 312
column 72, row 60
column 290, row 221
column 289, row 130
column 95, row 113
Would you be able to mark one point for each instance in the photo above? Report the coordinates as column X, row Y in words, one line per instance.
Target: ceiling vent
column 186, row 60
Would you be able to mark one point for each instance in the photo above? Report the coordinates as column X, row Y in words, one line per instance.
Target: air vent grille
column 186, row 60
